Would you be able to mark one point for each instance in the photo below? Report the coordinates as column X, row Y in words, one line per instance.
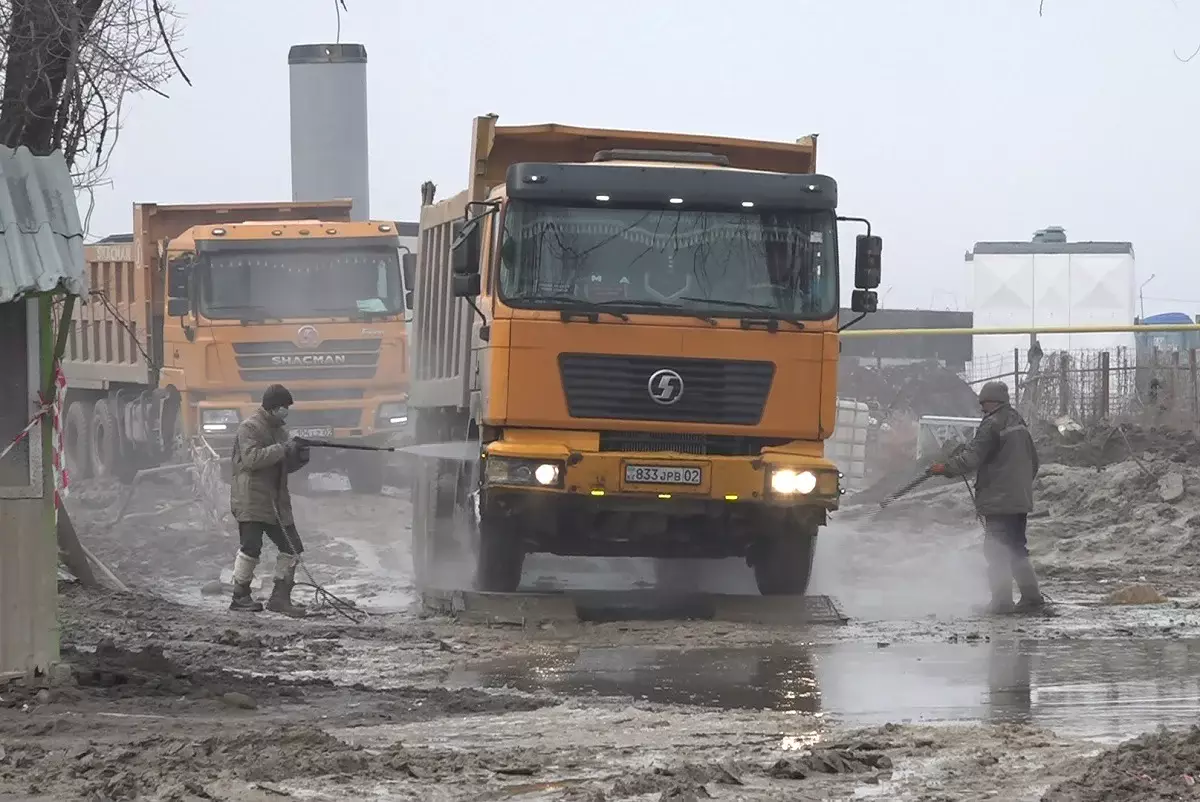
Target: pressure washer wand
column 907, row 488
column 347, row 446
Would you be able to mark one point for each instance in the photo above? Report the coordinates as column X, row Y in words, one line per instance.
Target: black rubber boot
column 281, row 600
column 291, row 586
column 1032, row 600
column 242, row 601
column 1000, row 580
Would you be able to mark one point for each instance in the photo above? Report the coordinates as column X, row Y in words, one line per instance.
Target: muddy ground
column 917, row 698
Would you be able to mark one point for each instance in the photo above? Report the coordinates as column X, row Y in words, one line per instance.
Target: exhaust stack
column 328, row 85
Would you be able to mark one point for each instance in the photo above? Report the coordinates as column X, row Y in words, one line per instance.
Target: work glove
column 937, row 469
column 298, row 453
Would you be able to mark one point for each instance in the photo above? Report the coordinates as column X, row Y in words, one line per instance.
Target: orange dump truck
column 203, row 306
column 625, row 344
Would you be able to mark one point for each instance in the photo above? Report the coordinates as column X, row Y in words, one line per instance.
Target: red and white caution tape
column 54, row 409
column 62, row 479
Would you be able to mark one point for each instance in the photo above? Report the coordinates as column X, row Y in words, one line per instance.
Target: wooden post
column 1104, row 384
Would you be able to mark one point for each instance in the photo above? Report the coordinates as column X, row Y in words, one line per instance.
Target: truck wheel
column 77, row 439
column 783, row 563
column 108, row 461
column 501, row 558
column 365, row 475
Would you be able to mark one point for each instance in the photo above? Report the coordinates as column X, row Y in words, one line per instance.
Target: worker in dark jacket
column 1005, row 462
column 263, row 456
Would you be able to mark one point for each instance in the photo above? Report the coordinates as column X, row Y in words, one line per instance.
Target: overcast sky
column 944, row 121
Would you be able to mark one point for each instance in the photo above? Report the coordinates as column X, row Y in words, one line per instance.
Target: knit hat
column 277, row 396
column 996, row 392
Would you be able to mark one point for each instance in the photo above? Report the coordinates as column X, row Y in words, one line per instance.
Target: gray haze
column 945, row 122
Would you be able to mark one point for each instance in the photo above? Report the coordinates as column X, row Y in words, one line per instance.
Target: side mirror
column 178, row 278
column 867, row 261
column 464, row 248
column 408, row 269
column 178, row 307
column 466, row 285
column 864, row 301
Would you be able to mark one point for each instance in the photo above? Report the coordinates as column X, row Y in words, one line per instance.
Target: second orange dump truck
column 203, row 306
column 626, row 345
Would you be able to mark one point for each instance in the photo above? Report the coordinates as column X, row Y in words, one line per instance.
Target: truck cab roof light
column 385, row 227
column 747, row 204
column 603, row 198
column 218, row 232
column 676, row 200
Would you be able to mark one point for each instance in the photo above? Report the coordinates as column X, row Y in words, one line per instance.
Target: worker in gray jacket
column 1005, row 462
column 263, row 456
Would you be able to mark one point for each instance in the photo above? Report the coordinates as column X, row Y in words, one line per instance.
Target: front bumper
column 633, row 475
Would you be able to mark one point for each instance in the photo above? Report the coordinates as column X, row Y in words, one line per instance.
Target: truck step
column 537, row 609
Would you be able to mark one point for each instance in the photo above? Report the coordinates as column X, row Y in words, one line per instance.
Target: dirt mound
column 1158, row 766
column 922, row 388
column 1100, row 445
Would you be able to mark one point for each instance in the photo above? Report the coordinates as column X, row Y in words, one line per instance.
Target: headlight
column 527, row 472
column 394, row 413
column 786, row 482
column 218, row 420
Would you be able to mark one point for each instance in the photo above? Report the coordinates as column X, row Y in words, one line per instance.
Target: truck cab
column 318, row 306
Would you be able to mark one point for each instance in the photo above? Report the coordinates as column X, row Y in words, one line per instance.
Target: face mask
column 281, row 413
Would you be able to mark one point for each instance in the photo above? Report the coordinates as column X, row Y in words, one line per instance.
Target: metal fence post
column 1017, row 373
column 1064, row 383
column 1104, row 384
column 1192, row 383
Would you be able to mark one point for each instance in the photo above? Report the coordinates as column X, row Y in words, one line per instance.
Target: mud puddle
column 1102, row 690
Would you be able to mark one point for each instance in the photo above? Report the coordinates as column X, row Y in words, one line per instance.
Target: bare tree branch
column 68, row 66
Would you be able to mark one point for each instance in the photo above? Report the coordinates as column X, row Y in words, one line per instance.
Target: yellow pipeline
column 1165, row 327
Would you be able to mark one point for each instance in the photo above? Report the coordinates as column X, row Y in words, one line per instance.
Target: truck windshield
column 296, row 283
column 724, row 264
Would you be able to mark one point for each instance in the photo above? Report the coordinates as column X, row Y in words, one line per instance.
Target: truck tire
column 365, row 475
column 77, row 439
column 783, row 563
column 108, row 459
column 501, row 558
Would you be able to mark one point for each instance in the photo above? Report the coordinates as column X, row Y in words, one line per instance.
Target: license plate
column 662, row 475
column 313, row 432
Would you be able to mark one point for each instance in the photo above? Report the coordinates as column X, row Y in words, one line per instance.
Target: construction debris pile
column 1152, row 768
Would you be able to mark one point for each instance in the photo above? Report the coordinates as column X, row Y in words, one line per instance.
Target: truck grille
column 700, row 445
column 284, row 361
column 338, row 418
column 714, row 390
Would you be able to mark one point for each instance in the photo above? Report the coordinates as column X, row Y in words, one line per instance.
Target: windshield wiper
column 578, row 308
column 652, row 304
column 353, row 314
column 260, row 316
column 772, row 312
